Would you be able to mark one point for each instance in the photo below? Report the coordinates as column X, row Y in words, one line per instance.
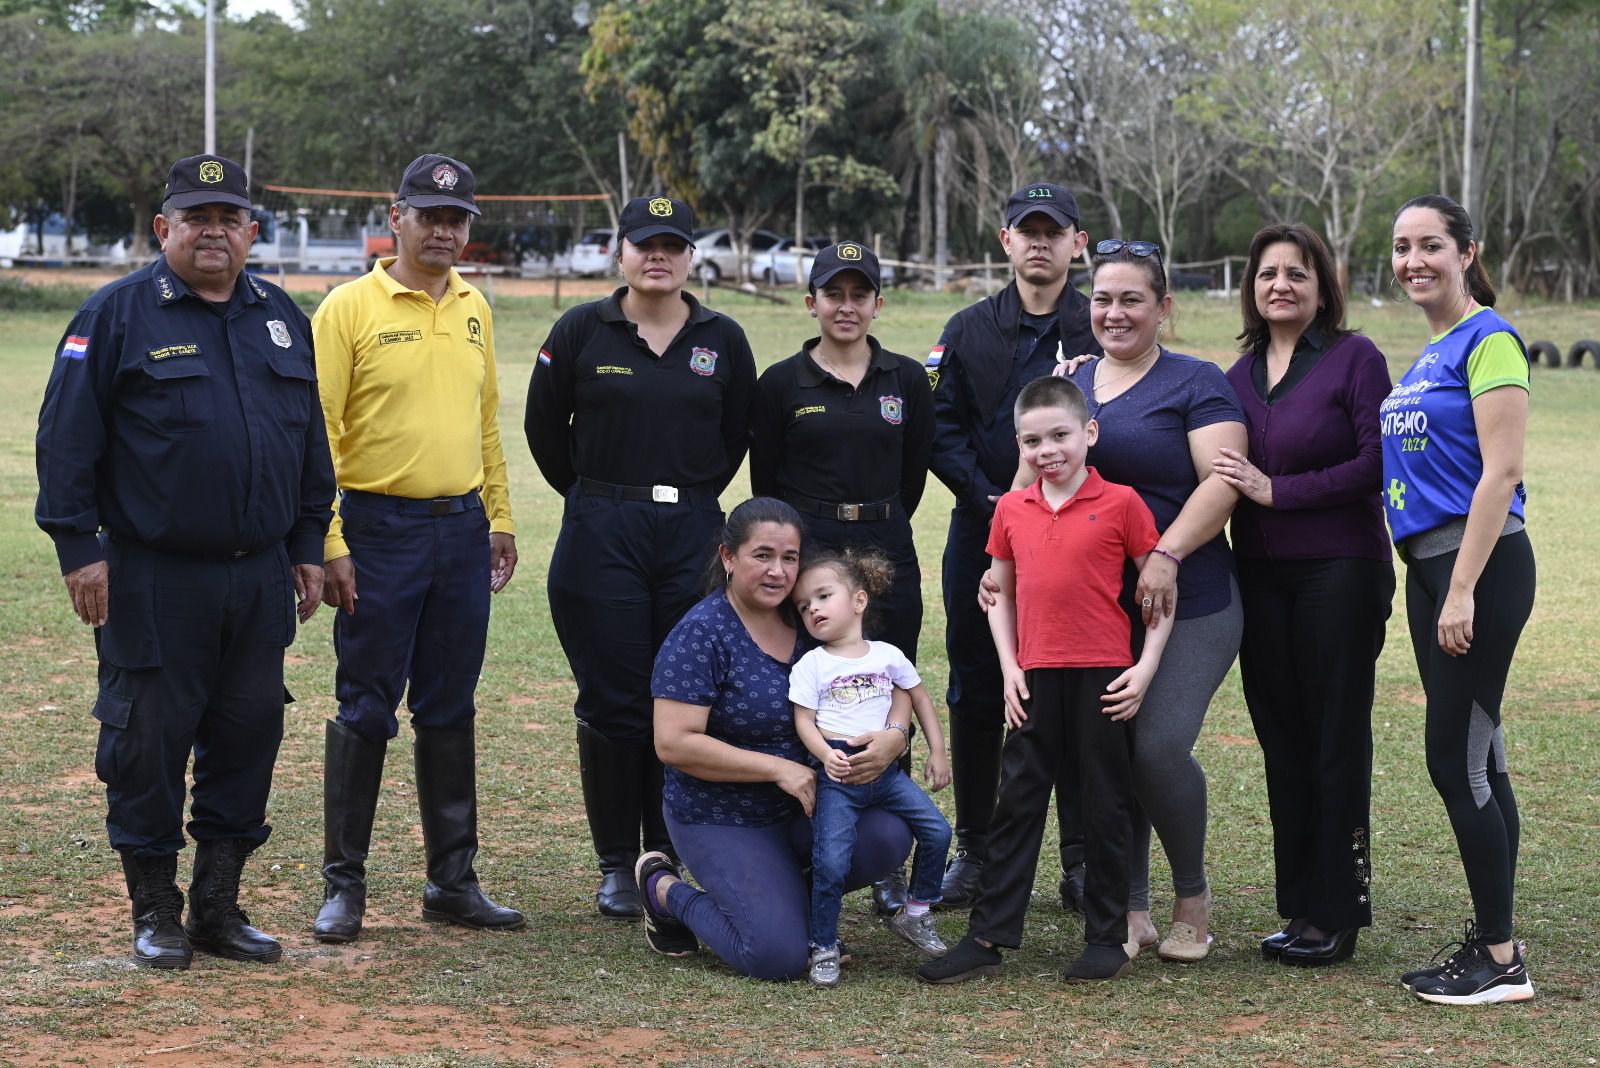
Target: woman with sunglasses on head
column 1453, row 432
column 1315, row 578
column 1163, row 418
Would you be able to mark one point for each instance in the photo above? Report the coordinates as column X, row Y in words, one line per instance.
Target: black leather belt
column 849, row 513
column 433, row 506
column 658, row 494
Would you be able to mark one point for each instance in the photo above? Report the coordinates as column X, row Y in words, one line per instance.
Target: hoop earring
column 1396, row 294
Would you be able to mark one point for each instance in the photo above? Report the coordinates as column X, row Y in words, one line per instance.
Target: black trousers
column 1313, row 630
column 1465, row 745
column 1066, row 736
column 974, row 694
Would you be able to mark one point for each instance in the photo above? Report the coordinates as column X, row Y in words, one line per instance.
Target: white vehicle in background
column 715, row 258
column 777, row 266
column 591, row 256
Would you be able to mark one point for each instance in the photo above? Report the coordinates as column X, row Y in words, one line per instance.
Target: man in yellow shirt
column 422, row 536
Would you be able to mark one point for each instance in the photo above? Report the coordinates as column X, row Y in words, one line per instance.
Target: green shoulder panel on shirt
column 1497, row 361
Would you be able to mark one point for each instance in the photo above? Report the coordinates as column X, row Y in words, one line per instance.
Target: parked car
column 776, row 266
column 591, row 256
column 714, row 256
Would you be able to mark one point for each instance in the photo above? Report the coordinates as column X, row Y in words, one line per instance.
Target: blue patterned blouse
column 710, row 660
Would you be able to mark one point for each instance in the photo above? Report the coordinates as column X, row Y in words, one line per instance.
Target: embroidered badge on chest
column 279, row 330
column 892, row 409
column 703, row 362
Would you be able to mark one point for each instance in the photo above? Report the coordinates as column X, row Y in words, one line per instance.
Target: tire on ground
column 1587, row 345
column 1545, row 350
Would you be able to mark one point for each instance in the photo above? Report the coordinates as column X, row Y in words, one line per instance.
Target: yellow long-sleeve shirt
column 409, row 394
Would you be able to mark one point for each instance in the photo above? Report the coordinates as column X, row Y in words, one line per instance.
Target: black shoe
column 447, row 796
column 1469, row 935
column 1071, row 888
column 1331, row 948
column 1474, row 978
column 663, row 932
column 158, row 937
column 1098, row 964
column 889, row 894
column 618, row 897
column 216, row 923
column 352, row 775
column 960, row 888
column 969, row 960
column 1273, row 944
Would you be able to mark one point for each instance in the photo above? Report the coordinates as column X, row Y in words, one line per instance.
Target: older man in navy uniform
column 184, row 476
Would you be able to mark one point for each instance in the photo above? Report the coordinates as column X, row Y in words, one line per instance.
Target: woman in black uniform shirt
column 842, row 430
column 638, row 412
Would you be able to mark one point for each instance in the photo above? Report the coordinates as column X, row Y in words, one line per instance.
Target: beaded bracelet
column 1170, row 556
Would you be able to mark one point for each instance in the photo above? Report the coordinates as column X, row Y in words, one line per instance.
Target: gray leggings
column 1167, row 779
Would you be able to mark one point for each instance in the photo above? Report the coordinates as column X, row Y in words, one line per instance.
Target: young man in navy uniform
column 986, row 354
column 185, row 479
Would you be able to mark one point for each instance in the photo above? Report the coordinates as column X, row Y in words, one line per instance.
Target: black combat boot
column 216, row 924
column 352, row 775
column 447, row 795
column 975, row 773
column 158, row 938
column 613, row 779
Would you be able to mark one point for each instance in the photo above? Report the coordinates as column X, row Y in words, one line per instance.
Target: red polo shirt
column 1069, row 571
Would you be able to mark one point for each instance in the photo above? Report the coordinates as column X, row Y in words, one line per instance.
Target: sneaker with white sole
column 823, row 967
column 920, row 932
column 1474, row 978
column 1469, row 935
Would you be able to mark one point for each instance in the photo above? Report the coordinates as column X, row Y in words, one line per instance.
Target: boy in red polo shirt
column 1060, row 549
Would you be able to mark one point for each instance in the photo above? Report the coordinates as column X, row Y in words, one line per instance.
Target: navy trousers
column 422, row 614
column 191, row 660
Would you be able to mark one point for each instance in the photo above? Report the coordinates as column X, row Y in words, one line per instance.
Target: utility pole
column 211, row 77
column 1469, row 147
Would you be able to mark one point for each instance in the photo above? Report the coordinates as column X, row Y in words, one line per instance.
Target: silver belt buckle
column 664, row 494
column 849, row 512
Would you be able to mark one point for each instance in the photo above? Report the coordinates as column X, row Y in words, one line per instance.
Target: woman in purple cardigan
column 1316, row 580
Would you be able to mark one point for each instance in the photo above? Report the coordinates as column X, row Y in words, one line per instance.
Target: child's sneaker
column 920, row 932
column 824, row 966
column 1474, row 978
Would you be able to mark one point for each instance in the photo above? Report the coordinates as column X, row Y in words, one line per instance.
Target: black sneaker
column 890, row 893
column 968, row 960
column 662, row 933
column 1469, row 935
column 1474, row 978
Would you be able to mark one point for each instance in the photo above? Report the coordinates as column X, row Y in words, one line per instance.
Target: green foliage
column 19, row 295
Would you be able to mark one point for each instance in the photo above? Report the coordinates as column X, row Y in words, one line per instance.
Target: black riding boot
column 975, row 773
column 216, row 924
column 1069, row 816
column 158, row 938
column 447, row 795
column 613, row 779
column 656, row 837
column 352, row 775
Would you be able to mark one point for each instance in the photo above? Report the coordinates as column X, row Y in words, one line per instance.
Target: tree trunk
column 925, row 209
column 140, row 248
column 944, row 160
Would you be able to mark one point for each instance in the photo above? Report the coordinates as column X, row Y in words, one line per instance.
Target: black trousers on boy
column 1065, row 732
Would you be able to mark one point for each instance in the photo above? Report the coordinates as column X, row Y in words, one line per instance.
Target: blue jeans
column 840, row 807
column 752, row 910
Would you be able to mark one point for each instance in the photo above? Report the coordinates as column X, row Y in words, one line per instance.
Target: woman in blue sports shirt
column 1453, row 433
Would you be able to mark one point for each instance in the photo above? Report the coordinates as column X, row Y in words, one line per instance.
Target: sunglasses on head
column 1133, row 248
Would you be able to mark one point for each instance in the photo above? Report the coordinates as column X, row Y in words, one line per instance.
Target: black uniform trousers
column 1313, row 630
column 623, row 573
column 975, row 692
column 897, row 615
column 1066, row 736
column 191, row 660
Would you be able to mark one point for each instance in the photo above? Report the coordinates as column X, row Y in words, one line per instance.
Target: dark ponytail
column 1458, row 224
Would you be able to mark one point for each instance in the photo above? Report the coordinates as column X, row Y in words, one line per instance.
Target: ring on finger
column 1148, row 601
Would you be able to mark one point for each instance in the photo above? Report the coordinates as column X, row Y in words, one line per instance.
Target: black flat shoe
column 1306, row 952
column 1272, row 945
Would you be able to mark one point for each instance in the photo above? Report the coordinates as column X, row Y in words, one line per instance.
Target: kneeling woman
column 738, row 791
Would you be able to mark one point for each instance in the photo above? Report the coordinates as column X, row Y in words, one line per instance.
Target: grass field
column 575, row 990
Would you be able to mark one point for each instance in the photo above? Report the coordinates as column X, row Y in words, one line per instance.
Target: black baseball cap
column 435, row 181
column 1047, row 198
column 645, row 217
column 207, row 179
column 845, row 256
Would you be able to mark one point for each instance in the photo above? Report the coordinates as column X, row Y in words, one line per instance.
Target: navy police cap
column 435, row 181
column 646, row 217
column 1047, row 198
column 207, row 179
column 845, row 256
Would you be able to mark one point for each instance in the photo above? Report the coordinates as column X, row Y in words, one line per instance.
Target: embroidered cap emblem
column 661, row 206
column 848, row 251
column 211, row 172
column 445, row 176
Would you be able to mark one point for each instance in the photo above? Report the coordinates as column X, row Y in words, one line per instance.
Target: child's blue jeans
column 833, row 827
